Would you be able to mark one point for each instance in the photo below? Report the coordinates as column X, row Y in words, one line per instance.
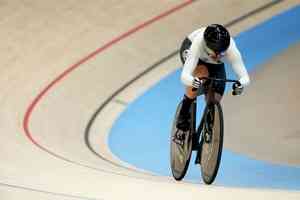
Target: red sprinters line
column 34, row 103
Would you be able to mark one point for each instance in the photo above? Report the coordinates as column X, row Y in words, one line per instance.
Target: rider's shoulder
column 198, row 33
column 232, row 52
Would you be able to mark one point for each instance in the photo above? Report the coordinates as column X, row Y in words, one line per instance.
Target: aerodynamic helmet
column 217, row 38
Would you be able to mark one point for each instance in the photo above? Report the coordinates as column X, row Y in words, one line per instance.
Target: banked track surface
column 39, row 180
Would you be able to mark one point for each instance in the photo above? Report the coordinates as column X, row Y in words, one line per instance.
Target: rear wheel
column 212, row 136
column 180, row 150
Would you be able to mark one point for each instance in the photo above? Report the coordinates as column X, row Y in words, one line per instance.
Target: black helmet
column 217, row 38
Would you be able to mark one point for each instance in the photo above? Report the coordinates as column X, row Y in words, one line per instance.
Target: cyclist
column 203, row 53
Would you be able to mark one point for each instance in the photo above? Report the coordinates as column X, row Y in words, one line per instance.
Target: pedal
column 179, row 137
column 207, row 137
column 177, row 141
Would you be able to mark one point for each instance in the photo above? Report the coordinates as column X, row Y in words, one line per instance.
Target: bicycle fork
column 195, row 135
column 204, row 131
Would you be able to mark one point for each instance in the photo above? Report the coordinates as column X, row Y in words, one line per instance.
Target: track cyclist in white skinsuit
column 203, row 54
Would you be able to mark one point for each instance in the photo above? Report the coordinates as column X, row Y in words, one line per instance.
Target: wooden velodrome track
column 60, row 60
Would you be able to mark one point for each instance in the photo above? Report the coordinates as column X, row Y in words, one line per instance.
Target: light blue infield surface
column 140, row 136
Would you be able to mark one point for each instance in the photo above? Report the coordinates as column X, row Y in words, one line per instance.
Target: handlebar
column 218, row 79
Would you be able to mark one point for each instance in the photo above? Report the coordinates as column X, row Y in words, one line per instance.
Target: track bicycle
column 207, row 140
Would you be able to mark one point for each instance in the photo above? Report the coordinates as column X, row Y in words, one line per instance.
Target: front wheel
column 212, row 136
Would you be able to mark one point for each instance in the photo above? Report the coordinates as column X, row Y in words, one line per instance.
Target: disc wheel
column 180, row 151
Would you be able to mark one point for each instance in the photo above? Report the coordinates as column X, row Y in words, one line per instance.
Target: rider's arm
column 187, row 77
column 233, row 55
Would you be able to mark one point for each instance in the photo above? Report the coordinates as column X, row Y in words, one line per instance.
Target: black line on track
column 149, row 69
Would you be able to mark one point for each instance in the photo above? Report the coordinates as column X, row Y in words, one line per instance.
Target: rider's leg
column 200, row 71
column 211, row 97
column 216, row 71
column 215, row 95
column 183, row 121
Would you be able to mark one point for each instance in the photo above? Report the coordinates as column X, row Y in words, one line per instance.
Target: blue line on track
column 140, row 135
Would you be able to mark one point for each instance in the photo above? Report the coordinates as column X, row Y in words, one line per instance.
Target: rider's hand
column 197, row 83
column 237, row 89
